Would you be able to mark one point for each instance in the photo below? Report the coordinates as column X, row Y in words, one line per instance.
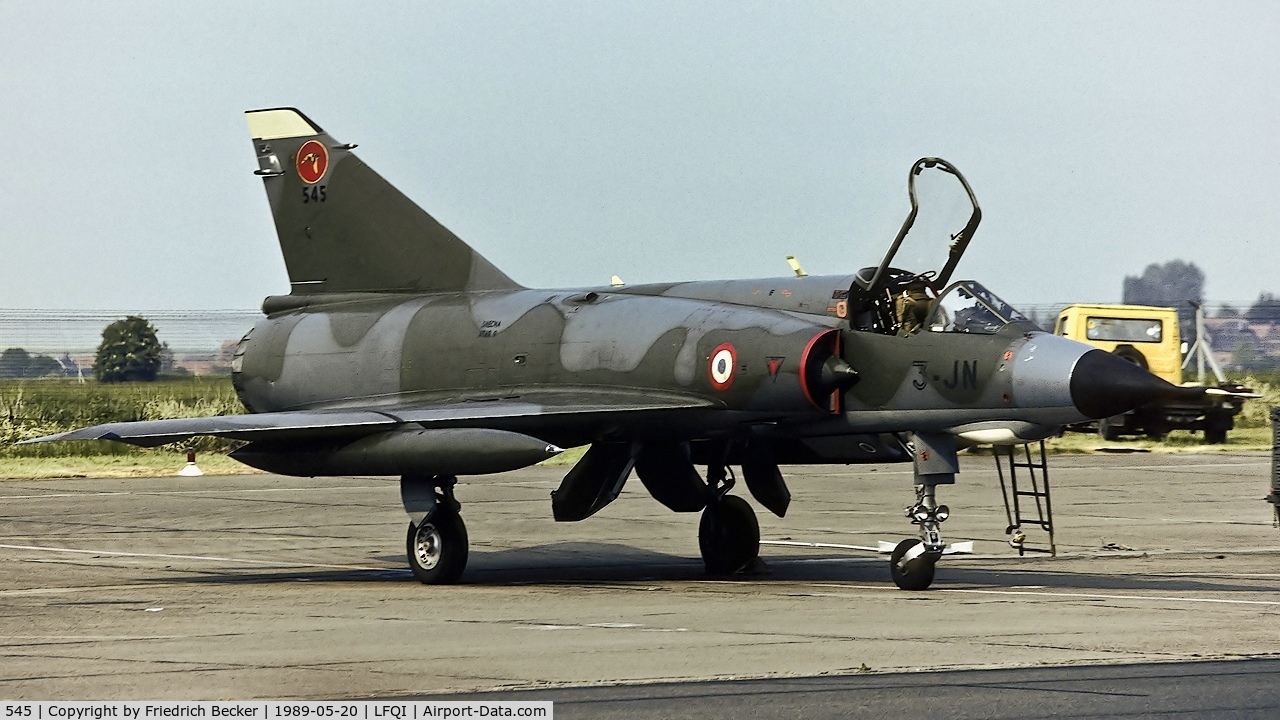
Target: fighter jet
column 400, row 351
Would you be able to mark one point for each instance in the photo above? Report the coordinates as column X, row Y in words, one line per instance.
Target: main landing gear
column 912, row 563
column 729, row 534
column 437, row 540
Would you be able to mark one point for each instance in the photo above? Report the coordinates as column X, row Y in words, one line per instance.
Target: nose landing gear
column 912, row 563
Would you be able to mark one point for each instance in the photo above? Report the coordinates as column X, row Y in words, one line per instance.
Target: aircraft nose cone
column 1103, row 385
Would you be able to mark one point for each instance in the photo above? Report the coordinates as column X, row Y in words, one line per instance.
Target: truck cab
column 1149, row 337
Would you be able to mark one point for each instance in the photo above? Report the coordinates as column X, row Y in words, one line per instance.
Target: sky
column 659, row 141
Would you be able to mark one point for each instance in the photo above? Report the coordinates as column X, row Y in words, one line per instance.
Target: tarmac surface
column 264, row 586
column 1203, row 689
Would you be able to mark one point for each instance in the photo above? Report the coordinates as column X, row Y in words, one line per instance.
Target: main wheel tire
column 728, row 536
column 437, row 548
column 918, row 575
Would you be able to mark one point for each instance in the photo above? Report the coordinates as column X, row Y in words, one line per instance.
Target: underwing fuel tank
column 450, row 451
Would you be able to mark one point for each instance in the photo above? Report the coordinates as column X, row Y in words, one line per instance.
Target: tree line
column 1179, row 284
column 130, row 351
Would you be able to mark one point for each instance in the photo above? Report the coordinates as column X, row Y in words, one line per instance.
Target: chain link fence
column 200, row 341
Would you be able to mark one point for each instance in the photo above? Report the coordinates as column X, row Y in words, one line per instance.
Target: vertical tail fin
column 343, row 228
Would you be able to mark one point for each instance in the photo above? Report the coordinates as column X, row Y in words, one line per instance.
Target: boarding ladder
column 1037, row 477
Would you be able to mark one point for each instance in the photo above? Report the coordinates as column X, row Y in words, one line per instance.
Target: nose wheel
column 911, row 566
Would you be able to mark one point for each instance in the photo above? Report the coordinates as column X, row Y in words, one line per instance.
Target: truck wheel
column 1108, row 430
column 1133, row 355
column 1215, row 437
column 1157, row 431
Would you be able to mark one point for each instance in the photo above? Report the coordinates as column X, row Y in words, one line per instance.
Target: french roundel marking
column 720, row 369
column 312, row 162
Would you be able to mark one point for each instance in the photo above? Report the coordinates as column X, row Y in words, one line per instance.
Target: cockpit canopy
column 968, row 307
column 901, row 295
column 930, row 243
column 894, row 297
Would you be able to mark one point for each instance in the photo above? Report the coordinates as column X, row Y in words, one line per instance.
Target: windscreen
column 967, row 307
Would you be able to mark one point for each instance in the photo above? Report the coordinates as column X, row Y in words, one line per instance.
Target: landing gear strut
column 912, row 563
column 436, row 544
column 729, row 534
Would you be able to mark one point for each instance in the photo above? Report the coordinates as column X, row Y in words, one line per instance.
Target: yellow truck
column 1150, row 337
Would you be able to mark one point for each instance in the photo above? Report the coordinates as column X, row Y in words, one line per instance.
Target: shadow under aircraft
column 400, row 351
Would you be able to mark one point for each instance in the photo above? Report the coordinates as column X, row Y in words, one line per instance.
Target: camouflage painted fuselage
column 644, row 343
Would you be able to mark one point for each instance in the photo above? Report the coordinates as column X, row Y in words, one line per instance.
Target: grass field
column 32, row 408
column 157, row 463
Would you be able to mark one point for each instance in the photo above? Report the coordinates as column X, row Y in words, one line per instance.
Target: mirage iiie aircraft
column 400, row 351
